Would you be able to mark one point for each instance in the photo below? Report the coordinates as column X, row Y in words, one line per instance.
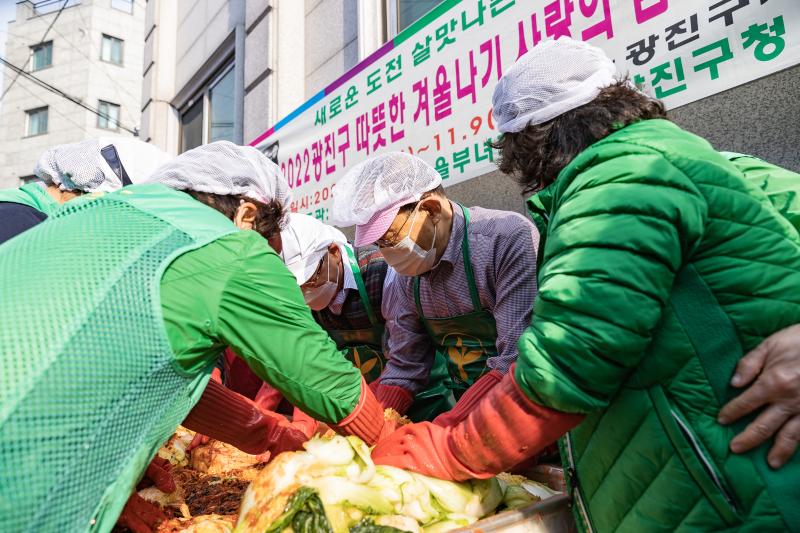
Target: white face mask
column 407, row 258
column 318, row 298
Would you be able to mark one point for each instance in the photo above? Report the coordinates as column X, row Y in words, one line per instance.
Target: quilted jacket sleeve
column 623, row 221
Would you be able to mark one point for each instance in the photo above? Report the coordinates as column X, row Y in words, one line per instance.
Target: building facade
column 232, row 69
column 92, row 53
column 217, row 69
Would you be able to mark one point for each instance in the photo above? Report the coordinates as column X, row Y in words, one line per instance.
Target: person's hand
column 775, row 366
column 469, row 399
column 159, row 471
column 198, row 440
column 224, row 415
column 141, row 516
column 305, row 423
column 488, row 441
column 366, row 420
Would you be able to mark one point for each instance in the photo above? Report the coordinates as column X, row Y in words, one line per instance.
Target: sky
column 8, row 10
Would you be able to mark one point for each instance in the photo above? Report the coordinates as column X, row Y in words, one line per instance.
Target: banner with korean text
column 429, row 90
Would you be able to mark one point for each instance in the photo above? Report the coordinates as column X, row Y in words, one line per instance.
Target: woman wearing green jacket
column 114, row 312
column 660, row 266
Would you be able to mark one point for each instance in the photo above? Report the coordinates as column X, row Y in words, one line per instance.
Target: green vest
column 32, row 195
column 364, row 346
column 365, row 350
column 650, row 456
column 90, row 387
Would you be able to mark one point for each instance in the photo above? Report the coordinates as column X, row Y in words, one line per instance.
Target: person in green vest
column 66, row 171
column 464, row 288
column 660, row 266
column 344, row 288
column 160, row 282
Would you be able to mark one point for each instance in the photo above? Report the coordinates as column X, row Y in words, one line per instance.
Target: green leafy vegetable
column 304, row 512
column 367, row 525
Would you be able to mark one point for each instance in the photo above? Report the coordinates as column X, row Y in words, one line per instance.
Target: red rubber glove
column 159, row 471
column 503, row 430
column 366, row 420
column 141, row 516
column 268, row 397
column 230, row 417
column 469, row 400
column 392, row 396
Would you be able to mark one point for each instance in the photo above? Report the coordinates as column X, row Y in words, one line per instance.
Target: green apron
column 466, row 342
column 32, row 195
column 364, row 346
column 91, row 388
column 365, row 350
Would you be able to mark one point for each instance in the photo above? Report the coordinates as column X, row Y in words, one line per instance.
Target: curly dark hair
column 269, row 216
column 535, row 156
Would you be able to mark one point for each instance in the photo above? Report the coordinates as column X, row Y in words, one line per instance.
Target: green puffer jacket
column 660, row 265
column 782, row 186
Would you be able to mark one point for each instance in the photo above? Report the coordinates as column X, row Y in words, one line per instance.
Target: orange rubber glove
column 469, row 399
column 366, row 420
column 268, row 397
column 503, row 430
column 305, row 423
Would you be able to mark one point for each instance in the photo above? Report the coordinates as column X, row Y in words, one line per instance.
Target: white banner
column 428, row 91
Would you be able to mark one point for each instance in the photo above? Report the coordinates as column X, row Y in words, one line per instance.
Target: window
column 403, row 13
column 109, row 116
column 111, row 50
column 221, row 100
column 123, row 5
column 192, row 126
column 209, row 116
column 41, row 56
column 37, row 121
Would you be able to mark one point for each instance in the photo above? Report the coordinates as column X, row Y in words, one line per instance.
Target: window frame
column 99, row 118
column 29, row 114
column 103, row 37
column 392, row 8
column 33, row 55
column 205, row 94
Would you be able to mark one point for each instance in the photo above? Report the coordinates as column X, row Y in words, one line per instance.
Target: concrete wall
column 758, row 118
column 331, row 29
column 77, row 70
column 202, row 27
column 258, row 68
column 159, row 120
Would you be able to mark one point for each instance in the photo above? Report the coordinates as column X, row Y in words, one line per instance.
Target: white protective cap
column 556, row 76
column 372, row 192
column 228, row 169
column 81, row 166
column 305, row 241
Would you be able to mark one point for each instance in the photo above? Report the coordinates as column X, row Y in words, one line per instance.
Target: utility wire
column 58, row 14
column 64, row 95
column 100, row 67
column 42, row 100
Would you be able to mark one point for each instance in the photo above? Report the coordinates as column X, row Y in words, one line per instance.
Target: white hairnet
column 556, row 76
column 227, row 169
column 379, row 183
column 81, row 166
column 305, row 241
